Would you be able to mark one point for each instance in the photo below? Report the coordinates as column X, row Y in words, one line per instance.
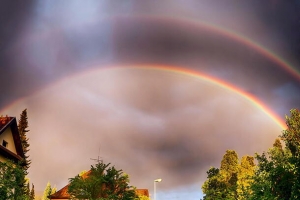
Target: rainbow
column 195, row 74
column 235, row 36
column 216, row 29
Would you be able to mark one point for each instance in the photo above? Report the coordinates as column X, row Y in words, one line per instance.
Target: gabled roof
column 6, row 122
column 61, row 194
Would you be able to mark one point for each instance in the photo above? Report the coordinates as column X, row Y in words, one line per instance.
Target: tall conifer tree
column 32, row 193
column 23, row 130
column 47, row 191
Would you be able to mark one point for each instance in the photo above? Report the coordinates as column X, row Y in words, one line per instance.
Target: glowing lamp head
column 158, row 180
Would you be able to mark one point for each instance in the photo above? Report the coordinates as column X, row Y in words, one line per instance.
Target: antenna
column 98, row 160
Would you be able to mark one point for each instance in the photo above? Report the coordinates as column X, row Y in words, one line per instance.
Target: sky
column 160, row 89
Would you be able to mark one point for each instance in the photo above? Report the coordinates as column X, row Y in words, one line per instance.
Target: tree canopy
column 12, row 184
column 101, row 182
column 231, row 180
column 276, row 176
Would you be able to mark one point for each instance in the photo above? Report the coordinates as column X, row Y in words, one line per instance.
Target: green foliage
column 32, row 193
column 275, row 177
column 142, row 197
column 53, row 190
column 246, row 171
column 22, row 127
column 48, row 191
column 12, row 182
column 222, row 184
column 291, row 137
column 101, row 182
column 214, row 187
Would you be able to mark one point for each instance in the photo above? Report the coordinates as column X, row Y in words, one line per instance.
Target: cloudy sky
column 158, row 88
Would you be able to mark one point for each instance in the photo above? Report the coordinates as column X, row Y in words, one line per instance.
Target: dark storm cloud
column 163, row 125
column 13, row 18
column 66, row 38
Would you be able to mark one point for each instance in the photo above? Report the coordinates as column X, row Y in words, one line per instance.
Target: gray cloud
column 61, row 39
column 136, row 129
column 164, row 124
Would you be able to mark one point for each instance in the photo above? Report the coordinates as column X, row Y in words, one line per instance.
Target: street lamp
column 156, row 181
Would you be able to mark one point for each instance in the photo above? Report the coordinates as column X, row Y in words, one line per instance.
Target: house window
column 4, row 143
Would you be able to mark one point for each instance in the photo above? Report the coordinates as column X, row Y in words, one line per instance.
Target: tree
column 222, row 184
column 277, row 175
column 273, row 178
column 229, row 170
column 143, row 197
column 53, row 190
column 291, row 137
column 101, row 182
column 12, row 184
column 32, row 193
column 48, row 191
column 214, row 187
column 22, row 127
column 246, row 171
column 29, row 193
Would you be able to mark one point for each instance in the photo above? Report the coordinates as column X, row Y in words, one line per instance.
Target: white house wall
column 7, row 136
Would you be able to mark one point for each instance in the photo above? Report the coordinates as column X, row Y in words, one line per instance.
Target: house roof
column 141, row 192
column 6, row 122
column 63, row 193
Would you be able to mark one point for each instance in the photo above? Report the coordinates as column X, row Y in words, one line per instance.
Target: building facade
column 10, row 142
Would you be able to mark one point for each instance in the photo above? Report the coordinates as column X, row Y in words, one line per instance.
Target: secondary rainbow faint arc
column 235, row 36
column 220, row 83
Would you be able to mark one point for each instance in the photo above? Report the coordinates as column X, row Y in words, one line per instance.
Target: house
column 63, row 193
column 10, row 142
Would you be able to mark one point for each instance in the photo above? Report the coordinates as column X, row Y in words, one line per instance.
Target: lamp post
column 156, row 181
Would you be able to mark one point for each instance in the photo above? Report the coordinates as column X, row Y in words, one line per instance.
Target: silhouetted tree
column 23, row 130
column 32, row 193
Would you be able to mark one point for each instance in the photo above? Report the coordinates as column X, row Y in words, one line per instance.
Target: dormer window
column 4, row 143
